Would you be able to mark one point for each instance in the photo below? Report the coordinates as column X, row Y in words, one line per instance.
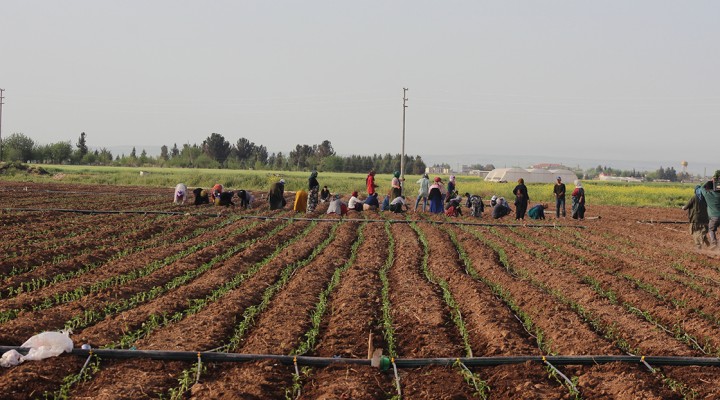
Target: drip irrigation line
column 219, row 214
column 401, row 363
column 650, row 221
column 86, row 192
column 155, row 212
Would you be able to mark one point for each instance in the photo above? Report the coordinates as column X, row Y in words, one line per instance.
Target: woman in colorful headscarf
column 424, row 183
column 215, row 192
column 370, row 182
column 578, row 201
column 180, row 194
column 521, row 199
column 313, row 190
column 450, row 189
column 396, row 190
column 276, row 195
column 436, row 196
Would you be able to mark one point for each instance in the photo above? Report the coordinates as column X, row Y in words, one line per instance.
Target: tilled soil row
column 628, row 329
column 167, row 244
column 18, row 329
column 422, row 324
column 700, row 380
column 177, row 300
column 666, row 301
column 564, row 331
column 14, row 220
column 687, row 271
column 48, row 237
column 105, row 267
column 280, row 329
column 52, row 231
column 94, row 247
column 83, row 202
column 208, row 329
column 354, row 313
column 492, row 328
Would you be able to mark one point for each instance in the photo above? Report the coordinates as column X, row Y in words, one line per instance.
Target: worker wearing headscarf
column 698, row 216
column 215, row 193
column 435, row 195
column 370, row 182
column 180, row 194
column 276, row 195
column 313, row 190
column 354, row 203
column 578, row 201
column 521, row 199
column 450, row 188
column 396, row 190
column 423, row 191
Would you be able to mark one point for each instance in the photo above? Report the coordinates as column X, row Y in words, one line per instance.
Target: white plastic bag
column 48, row 344
column 42, row 345
column 10, row 358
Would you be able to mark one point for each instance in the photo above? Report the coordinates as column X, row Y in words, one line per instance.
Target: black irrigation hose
column 82, row 192
column 219, row 214
column 662, row 222
column 401, row 363
column 69, row 210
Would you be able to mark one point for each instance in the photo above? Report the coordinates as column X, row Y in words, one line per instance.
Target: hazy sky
column 631, row 80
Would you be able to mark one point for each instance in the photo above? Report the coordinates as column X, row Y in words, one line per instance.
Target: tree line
column 214, row 152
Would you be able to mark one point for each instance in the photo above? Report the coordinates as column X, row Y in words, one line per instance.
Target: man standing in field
column 559, row 191
column 713, row 210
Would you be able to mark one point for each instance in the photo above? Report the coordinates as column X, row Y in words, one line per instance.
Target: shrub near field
column 597, row 192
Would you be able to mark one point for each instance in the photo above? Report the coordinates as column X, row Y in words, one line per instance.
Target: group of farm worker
column 704, row 214
column 217, row 195
column 436, row 195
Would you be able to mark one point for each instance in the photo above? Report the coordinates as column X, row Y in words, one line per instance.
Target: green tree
column 143, row 157
column 325, row 149
column 60, row 152
column 105, row 157
column 164, row 153
column 82, row 146
column 216, row 147
column 333, row 164
column 175, row 152
column 18, row 147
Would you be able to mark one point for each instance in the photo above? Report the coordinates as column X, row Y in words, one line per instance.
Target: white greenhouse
column 530, row 175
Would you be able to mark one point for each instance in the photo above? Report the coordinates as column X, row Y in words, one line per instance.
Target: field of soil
column 161, row 276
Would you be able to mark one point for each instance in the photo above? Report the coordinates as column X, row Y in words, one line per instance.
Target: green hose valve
column 384, row 363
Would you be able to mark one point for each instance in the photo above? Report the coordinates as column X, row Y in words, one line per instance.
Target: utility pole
column 1, row 103
column 402, row 156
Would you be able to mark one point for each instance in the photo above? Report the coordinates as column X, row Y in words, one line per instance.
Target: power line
column 402, row 156
column 1, row 103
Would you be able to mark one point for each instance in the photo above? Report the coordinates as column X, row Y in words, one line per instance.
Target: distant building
column 437, row 170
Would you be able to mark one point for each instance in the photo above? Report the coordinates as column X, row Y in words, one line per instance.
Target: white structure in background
column 530, row 175
column 604, row 177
